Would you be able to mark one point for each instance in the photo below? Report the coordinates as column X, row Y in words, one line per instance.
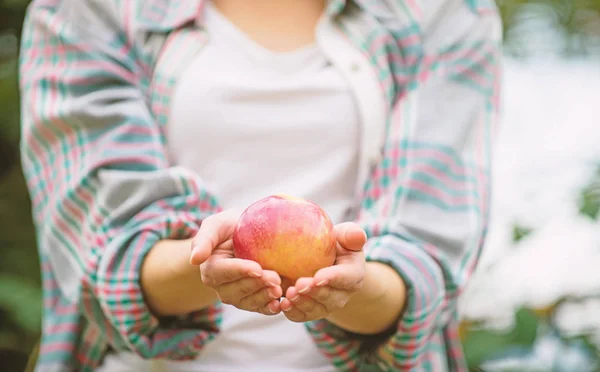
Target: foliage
column 574, row 26
column 589, row 199
column 565, row 27
column 482, row 344
column 520, row 232
column 534, row 343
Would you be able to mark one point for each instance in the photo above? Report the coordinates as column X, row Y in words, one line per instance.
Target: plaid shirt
column 97, row 77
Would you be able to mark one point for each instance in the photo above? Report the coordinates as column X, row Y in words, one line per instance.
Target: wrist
column 379, row 283
column 377, row 305
column 171, row 286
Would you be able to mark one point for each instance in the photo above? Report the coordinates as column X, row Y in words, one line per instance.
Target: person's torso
column 252, row 123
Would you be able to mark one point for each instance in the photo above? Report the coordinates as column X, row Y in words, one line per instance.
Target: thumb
column 214, row 231
column 201, row 250
column 350, row 236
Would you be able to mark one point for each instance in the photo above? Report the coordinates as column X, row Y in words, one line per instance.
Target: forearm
column 170, row 284
column 377, row 306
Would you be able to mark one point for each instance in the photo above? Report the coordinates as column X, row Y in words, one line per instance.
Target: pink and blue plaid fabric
column 96, row 80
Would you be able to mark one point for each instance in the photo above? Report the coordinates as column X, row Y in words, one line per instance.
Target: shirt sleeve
column 103, row 191
column 426, row 205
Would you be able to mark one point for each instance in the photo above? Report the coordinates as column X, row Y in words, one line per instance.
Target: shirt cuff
column 425, row 302
column 406, row 343
column 116, row 303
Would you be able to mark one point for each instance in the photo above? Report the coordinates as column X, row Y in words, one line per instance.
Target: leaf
column 589, row 199
column 481, row 345
column 526, row 327
column 21, row 299
column 520, row 232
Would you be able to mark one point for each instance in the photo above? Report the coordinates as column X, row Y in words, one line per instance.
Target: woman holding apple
column 149, row 126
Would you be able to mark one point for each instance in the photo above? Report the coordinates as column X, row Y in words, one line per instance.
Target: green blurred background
column 558, row 29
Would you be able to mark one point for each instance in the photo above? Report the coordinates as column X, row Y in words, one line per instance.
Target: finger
column 260, row 299
column 347, row 277
column 230, row 293
column 271, row 278
column 350, row 236
column 332, row 298
column 272, row 308
column 296, row 295
column 224, row 249
column 285, row 305
column 291, row 312
column 351, row 258
column 213, row 231
column 302, row 285
column 311, row 308
column 215, row 272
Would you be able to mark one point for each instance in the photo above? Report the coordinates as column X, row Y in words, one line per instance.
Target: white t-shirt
column 251, row 123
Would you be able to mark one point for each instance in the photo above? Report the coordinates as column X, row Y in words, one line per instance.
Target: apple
column 292, row 236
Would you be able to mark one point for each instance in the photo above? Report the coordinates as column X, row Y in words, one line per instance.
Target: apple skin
column 291, row 236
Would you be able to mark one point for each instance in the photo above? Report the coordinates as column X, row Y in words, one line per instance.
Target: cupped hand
column 241, row 283
column 330, row 288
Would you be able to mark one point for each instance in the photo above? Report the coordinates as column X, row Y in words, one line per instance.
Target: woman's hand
column 241, row 283
column 331, row 288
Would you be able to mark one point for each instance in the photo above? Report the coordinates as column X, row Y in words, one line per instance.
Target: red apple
column 291, row 236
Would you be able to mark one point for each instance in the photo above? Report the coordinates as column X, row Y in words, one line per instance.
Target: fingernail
column 271, row 310
column 321, row 283
column 255, row 274
column 286, row 310
column 271, row 284
column 194, row 252
column 294, row 299
column 272, row 295
column 304, row 290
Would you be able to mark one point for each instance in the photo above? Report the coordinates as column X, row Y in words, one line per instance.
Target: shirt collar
column 167, row 15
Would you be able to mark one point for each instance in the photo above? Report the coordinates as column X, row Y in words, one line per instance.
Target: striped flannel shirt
column 97, row 77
